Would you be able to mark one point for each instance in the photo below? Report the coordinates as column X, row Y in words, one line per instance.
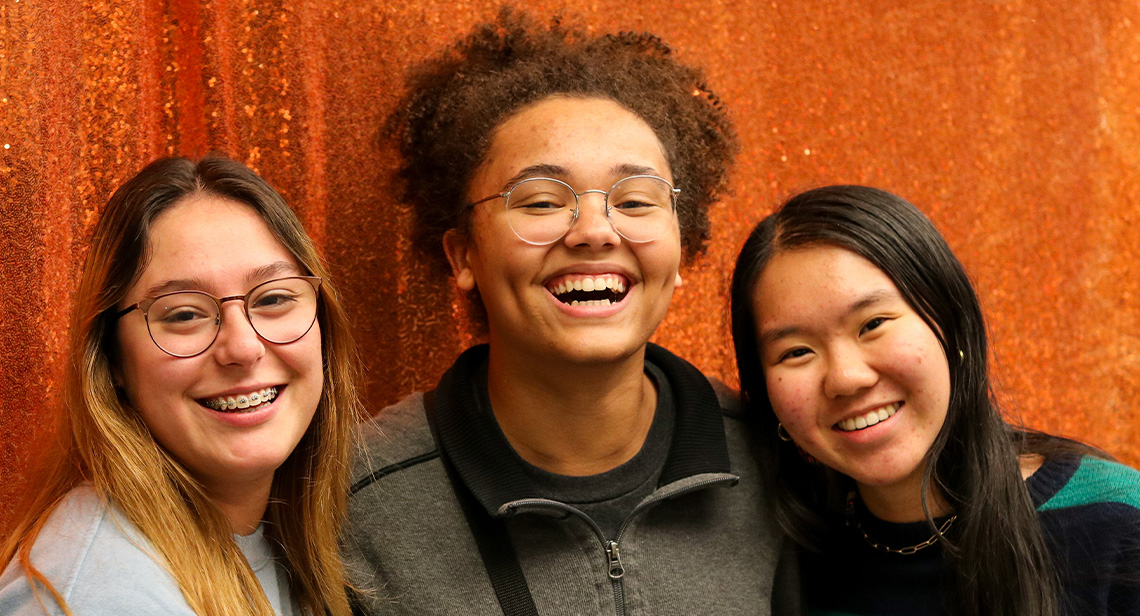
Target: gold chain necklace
column 853, row 520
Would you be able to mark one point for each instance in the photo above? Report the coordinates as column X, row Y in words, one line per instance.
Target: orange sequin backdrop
column 1014, row 124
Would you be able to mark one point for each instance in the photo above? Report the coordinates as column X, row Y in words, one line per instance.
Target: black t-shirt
column 609, row 497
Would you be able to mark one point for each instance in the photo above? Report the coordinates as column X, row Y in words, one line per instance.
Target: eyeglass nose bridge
column 244, row 310
column 578, row 207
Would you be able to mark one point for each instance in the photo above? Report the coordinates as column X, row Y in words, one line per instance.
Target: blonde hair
column 105, row 442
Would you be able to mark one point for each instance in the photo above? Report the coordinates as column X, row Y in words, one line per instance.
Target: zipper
column 612, row 547
column 616, row 573
column 616, row 568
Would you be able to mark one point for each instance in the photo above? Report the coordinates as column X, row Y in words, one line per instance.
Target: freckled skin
column 567, row 384
column 589, row 139
column 841, row 359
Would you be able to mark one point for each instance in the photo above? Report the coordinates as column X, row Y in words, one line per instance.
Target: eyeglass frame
column 505, row 196
column 150, row 301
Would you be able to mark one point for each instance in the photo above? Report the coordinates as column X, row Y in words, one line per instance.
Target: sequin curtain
column 1014, row 124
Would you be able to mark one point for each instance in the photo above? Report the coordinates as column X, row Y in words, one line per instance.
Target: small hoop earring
column 782, row 432
column 961, row 355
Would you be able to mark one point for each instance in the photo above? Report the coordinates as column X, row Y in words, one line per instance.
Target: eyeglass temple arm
column 122, row 313
column 501, row 195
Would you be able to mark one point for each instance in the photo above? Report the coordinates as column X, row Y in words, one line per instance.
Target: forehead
column 818, row 280
column 210, row 238
column 588, row 139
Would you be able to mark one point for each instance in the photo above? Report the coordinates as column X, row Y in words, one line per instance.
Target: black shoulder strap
column 495, row 547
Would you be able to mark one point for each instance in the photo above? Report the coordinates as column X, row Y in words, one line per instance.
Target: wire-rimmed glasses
column 541, row 210
column 186, row 323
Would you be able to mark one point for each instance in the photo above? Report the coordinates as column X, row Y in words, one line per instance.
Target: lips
column 868, row 419
column 589, row 290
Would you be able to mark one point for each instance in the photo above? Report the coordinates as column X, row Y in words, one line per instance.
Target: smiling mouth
column 241, row 403
column 866, row 420
column 589, row 290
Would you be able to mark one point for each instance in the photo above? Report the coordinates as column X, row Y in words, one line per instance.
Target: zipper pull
column 616, row 569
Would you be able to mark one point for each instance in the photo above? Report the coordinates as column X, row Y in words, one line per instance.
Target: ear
column 457, row 245
column 678, row 282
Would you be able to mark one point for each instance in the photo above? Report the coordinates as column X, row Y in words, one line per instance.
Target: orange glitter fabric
column 1013, row 124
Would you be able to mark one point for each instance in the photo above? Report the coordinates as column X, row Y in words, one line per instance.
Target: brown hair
column 455, row 102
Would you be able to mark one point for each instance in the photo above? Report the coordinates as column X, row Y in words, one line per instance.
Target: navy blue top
column 1089, row 509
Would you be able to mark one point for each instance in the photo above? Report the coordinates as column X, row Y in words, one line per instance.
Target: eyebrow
column 253, row 277
column 536, row 171
column 627, row 169
column 877, row 296
column 544, row 170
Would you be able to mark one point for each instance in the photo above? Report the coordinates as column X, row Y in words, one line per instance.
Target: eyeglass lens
column 541, row 210
column 186, row 323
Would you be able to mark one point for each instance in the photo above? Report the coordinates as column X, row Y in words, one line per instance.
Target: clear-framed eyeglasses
column 640, row 208
column 186, row 323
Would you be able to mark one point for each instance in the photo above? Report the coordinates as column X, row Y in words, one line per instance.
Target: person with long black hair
column 863, row 357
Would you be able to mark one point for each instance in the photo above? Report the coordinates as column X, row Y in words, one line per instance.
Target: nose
column 592, row 228
column 237, row 342
column 848, row 373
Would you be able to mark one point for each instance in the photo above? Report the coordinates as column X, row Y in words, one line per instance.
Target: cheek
column 667, row 257
column 304, row 359
column 147, row 374
column 790, row 397
column 923, row 365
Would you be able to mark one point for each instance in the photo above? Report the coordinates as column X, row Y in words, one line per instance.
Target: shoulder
column 396, row 437
column 1092, row 521
column 97, row 561
column 1091, row 481
column 688, row 380
column 728, row 398
column 396, row 433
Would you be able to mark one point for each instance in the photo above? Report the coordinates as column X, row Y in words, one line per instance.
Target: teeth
column 242, row 401
column 600, row 283
column 592, row 302
column 869, row 419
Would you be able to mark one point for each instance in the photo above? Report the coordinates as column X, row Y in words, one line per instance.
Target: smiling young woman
column 210, row 406
column 567, row 466
column 862, row 356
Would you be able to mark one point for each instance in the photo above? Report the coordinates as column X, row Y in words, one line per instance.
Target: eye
column 181, row 311
column 872, row 324
column 538, row 203
column 182, row 315
column 637, row 204
column 275, row 300
column 539, row 197
column 793, row 354
column 631, row 206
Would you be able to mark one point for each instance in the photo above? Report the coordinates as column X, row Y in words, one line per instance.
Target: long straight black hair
column 998, row 554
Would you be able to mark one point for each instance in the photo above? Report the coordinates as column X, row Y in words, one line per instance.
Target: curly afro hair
column 455, row 102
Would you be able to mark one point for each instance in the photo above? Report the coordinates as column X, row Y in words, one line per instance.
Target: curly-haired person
column 567, row 466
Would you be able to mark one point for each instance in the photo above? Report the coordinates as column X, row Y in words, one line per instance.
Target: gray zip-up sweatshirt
column 703, row 542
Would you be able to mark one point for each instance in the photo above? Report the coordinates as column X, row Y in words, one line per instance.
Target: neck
column 902, row 502
column 244, row 505
column 572, row 419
